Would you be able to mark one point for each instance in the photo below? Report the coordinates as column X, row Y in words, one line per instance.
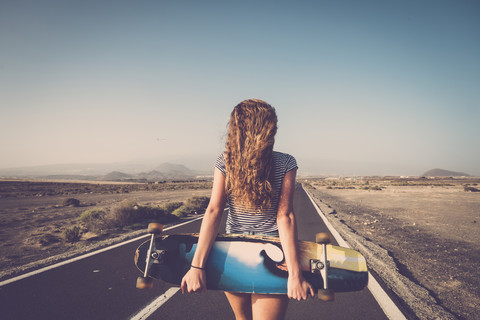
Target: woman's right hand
column 298, row 288
column 194, row 280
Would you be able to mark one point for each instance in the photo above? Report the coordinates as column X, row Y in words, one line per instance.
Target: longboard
column 251, row 264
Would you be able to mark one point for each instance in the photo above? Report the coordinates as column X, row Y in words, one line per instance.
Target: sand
column 430, row 227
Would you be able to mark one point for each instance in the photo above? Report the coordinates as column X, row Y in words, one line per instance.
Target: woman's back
column 242, row 219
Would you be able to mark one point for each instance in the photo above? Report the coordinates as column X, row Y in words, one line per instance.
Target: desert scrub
column 169, row 207
column 193, row 205
column 198, row 204
column 183, row 211
column 71, row 202
column 468, row 188
column 47, row 239
column 128, row 213
column 341, row 187
column 123, row 214
column 91, row 215
column 151, row 213
column 308, row 186
column 375, row 188
column 94, row 219
column 72, row 234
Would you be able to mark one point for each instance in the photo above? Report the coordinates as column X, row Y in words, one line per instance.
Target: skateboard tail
column 339, row 280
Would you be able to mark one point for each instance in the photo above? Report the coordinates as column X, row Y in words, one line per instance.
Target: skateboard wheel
column 144, row 283
column 323, row 238
column 155, row 228
column 326, row 295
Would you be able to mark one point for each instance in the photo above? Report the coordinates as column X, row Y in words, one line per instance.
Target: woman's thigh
column 241, row 304
column 269, row 306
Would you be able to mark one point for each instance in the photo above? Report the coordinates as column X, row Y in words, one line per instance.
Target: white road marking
column 53, row 266
column 155, row 304
column 388, row 306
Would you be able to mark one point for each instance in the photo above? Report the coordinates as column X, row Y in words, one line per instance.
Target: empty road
column 102, row 286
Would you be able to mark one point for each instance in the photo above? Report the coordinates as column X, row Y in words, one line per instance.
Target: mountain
column 175, row 170
column 104, row 172
column 444, row 173
column 165, row 171
column 170, row 167
column 115, row 176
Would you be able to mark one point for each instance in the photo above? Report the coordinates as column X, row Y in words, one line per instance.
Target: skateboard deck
column 252, row 264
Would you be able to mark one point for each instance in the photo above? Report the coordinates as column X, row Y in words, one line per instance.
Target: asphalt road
column 103, row 287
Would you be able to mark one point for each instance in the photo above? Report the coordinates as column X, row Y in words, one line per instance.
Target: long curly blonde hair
column 249, row 154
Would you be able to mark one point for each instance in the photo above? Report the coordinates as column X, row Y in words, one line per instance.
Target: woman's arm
column 298, row 287
column 195, row 280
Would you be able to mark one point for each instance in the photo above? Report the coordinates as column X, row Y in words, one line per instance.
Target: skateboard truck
column 158, row 256
column 153, row 254
column 316, row 266
column 322, row 265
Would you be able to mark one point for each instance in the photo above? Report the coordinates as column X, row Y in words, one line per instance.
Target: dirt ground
column 33, row 215
column 431, row 228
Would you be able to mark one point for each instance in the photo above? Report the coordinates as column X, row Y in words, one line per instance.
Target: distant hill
column 170, row 167
column 115, row 176
column 104, row 172
column 170, row 170
column 165, row 171
column 444, row 173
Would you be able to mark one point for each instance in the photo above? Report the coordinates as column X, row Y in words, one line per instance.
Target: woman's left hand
column 298, row 288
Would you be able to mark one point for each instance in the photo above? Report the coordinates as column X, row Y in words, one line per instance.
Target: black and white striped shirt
column 239, row 218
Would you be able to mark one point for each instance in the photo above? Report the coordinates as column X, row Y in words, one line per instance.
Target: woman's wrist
column 295, row 274
column 199, row 268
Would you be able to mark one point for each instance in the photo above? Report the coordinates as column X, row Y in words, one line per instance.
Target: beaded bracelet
column 197, row 267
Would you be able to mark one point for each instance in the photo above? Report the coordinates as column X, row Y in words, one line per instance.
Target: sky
column 360, row 87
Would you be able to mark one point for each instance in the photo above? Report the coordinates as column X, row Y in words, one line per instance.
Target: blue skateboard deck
column 251, row 264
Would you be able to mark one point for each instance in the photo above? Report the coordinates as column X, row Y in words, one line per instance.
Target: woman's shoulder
column 220, row 163
column 282, row 155
column 284, row 160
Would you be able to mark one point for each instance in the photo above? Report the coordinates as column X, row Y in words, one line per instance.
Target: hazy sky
column 360, row 87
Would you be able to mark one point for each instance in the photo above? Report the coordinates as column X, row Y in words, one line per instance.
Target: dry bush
column 198, row 204
column 470, row 189
column 71, row 202
column 72, row 234
column 156, row 214
column 183, row 211
column 193, row 205
column 169, row 207
column 94, row 220
column 123, row 214
column 48, row 239
column 149, row 213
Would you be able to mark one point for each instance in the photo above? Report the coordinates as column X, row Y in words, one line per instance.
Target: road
column 102, row 286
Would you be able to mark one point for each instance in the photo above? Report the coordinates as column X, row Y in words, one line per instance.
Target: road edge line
column 155, row 304
column 87, row 255
column 390, row 309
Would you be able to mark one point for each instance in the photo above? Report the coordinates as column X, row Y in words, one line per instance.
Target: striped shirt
column 241, row 219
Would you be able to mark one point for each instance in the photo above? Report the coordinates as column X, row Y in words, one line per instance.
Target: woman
column 258, row 186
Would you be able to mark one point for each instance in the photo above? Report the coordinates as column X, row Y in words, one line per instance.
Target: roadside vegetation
column 344, row 184
column 129, row 215
column 469, row 188
column 383, row 183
